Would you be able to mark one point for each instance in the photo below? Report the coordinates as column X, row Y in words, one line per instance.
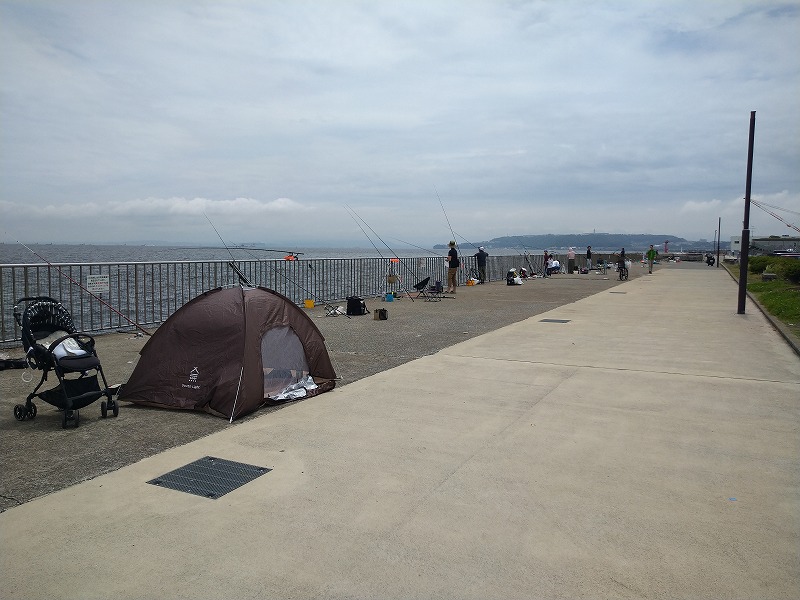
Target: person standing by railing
column 481, row 256
column 452, row 268
column 571, row 260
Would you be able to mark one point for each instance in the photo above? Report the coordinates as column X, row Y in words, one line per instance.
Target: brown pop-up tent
column 228, row 352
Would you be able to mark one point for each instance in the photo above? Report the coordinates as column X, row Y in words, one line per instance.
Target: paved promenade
column 641, row 442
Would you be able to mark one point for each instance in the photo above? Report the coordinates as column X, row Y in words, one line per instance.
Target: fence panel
column 147, row 293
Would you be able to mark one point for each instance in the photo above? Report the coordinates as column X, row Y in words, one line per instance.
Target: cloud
column 527, row 117
column 692, row 206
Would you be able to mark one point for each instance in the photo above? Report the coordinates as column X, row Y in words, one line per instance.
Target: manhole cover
column 209, row 477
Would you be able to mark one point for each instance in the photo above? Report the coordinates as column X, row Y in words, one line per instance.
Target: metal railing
column 147, row 293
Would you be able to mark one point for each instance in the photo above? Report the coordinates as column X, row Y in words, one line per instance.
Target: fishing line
column 466, row 240
column 98, row 298
column 415, row 246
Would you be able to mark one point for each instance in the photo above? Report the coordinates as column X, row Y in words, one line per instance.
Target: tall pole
column 745, row 255
column 719, row 236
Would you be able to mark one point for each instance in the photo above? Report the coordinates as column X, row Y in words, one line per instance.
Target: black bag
column 381, row 314
column 356, row 306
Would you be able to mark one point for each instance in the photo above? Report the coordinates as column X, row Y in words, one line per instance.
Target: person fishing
column 481, row 256
column 452, row 267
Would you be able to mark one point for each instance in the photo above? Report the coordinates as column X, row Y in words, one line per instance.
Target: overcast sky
column 131, row 120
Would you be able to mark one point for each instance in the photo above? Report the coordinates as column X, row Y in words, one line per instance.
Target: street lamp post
column 743, row 260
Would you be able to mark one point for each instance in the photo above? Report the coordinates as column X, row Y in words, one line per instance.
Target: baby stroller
column 52, row 343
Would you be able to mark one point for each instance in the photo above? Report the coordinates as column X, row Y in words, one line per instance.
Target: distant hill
column 598, row 241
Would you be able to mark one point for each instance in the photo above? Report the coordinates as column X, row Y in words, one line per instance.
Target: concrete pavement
column 638, row 443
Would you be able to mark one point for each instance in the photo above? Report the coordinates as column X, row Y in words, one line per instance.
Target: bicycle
column 623, row 271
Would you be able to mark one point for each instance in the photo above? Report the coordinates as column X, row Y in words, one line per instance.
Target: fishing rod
column 352, row 216
column 458, row 250
column 246, row 281
column 232, row 264
column 390, row 250
column 310, row 294
column 96, row 297
column 448, row 220
column 229, row 248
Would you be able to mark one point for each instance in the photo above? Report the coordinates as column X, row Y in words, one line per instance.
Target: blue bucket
column 390, row 297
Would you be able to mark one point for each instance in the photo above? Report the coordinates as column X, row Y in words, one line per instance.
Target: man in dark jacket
column 481, row 255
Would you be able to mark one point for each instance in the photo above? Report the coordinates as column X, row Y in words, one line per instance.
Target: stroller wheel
column 32, row 411
column 103, row 409
column 115, row 408
column 20, row 414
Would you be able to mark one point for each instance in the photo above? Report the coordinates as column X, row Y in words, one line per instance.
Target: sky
column 302, row 123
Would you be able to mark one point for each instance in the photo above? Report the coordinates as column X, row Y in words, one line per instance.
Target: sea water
column 123, row 253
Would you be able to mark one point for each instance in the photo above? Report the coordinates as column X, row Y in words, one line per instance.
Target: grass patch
column 780, row 297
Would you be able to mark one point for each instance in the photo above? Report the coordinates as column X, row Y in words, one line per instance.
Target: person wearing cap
column 481, row 255
column 452, row 267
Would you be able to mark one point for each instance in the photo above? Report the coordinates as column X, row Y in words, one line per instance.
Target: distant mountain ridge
column 598, row 241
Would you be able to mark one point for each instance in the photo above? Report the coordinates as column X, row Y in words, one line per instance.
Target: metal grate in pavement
column 209, row 477
column 554, row 320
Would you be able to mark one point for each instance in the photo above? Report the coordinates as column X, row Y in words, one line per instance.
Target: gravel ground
column 40, row 457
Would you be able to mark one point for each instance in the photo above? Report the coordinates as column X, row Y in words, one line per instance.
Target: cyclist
column 623, row 270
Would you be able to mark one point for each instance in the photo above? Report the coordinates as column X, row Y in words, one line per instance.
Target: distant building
column 775, row 243
column 767, row 245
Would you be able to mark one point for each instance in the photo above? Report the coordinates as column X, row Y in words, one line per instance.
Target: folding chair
column 422, row 286
column 431, row 293
column 335, row 311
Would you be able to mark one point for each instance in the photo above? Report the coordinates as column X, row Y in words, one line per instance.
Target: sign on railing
column 97, row 284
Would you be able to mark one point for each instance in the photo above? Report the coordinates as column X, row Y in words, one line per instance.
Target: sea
column 11, row 254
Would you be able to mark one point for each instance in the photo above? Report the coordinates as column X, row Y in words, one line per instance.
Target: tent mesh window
column 283, row 360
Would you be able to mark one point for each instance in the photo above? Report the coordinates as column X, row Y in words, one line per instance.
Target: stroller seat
column 52, row 343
